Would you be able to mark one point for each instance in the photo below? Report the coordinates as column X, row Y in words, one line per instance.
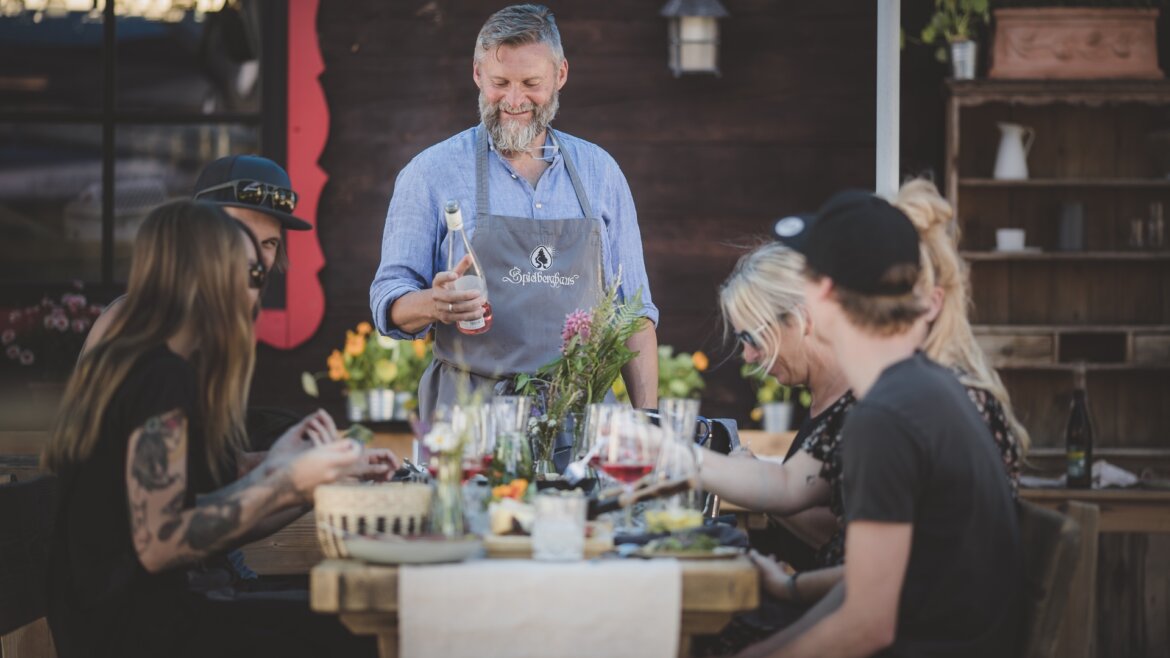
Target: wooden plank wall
column 710, row 160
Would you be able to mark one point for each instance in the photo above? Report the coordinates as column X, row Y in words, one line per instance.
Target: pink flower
column 60, row 322
column 26, row 358
column 576, row 324
column 73, row 301
column 80, row 325
column 7, row 337
column 13, row 352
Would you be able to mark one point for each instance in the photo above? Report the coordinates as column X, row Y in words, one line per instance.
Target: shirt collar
column 548, row 141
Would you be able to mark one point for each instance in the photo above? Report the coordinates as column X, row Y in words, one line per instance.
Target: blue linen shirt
column 414, row 241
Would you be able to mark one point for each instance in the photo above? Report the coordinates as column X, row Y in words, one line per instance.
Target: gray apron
column 538, row 271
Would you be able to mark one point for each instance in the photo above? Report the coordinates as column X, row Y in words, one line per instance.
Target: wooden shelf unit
column 1065, row 255
column 1039, row 313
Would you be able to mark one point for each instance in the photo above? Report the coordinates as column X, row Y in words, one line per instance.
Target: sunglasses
column 257, row 275
column 748, row 338
column 255, row 193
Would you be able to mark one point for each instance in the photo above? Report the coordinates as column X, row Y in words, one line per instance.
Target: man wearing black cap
column 934, row 562
column 252, row 189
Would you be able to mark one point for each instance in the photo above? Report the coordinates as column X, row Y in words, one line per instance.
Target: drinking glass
column 598, row 422
column 677, row 460
column 628, row 453
column 558, row 531
column 512, row 457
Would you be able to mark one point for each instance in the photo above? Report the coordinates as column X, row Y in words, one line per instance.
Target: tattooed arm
column 166, row 533
column 766, row 486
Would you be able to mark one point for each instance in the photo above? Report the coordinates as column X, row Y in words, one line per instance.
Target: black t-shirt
column 918, row 452
column 102, row 601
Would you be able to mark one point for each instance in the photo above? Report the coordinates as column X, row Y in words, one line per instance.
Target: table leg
column 385, row 627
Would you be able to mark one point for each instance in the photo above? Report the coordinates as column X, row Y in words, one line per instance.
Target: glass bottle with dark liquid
column 473, row 279
column 1078, row 437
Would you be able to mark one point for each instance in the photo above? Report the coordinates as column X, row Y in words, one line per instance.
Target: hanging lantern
column 694, row 35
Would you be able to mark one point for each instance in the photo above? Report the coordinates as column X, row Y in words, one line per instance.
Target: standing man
column 934, row 564
column 252, row 189
column 550, row 216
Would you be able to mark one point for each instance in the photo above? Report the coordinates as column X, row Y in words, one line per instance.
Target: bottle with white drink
column 473, row 279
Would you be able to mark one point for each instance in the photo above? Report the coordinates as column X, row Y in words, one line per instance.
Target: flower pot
column 963, row 57
column 1063, row 42
column 777, row 416
column 355, row 406
column 404, row 403
column 379, row 404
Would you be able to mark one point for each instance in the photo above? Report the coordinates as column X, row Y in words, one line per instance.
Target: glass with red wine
column 628, row 453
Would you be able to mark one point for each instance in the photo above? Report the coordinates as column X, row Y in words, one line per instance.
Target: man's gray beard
column 514, row 136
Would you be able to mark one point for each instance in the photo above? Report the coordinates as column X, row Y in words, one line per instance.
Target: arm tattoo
column 150, row 467
column 212, row 523
column 172, row 511
column 810, row 480
column 138, row 527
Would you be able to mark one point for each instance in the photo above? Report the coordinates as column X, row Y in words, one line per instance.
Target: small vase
column 355, row 406
column 380, row 403
column 447, row 505
column 542, row 453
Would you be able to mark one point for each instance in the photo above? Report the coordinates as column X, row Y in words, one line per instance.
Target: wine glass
column 598, row 422
column 628, row 453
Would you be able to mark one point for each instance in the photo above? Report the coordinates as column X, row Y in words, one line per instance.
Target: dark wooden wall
column 710, row 160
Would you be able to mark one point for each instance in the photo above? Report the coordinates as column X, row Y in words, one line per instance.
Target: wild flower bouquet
column 48, row 336
column 370, row 362
column 593, row 352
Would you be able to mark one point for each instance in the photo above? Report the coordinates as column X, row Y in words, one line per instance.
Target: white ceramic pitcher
column 1011, row 162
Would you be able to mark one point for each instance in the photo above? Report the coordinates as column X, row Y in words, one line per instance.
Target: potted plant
column 1036, row 39
column 955, row 22
column 776, row 401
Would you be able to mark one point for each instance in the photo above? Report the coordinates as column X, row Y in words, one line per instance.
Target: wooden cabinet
column 1039, row 312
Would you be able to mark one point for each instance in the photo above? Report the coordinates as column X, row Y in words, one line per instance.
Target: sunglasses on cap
column 255, row 193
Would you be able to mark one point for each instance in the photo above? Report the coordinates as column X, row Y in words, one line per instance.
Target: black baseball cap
column 247, row 168
column 857, row 239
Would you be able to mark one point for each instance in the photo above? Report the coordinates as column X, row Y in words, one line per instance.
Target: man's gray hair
column 520, row 25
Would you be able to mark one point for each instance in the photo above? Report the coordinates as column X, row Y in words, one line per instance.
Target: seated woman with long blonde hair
column 145, row 448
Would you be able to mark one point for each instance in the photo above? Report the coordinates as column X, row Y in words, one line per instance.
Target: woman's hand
column 322, row 465
column 316, row 429
column 375, row 464
column 774, row 575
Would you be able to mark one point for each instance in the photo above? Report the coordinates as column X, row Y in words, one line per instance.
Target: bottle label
column 1076, row 464
column 472, row 324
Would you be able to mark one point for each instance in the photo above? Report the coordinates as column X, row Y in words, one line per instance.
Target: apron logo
column 554, row 280
column 541, row 257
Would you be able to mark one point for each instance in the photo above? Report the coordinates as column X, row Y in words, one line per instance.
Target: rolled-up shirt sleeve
column 625, row 241
column 410, row 248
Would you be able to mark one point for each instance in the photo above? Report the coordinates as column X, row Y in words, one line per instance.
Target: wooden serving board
column 519, row 547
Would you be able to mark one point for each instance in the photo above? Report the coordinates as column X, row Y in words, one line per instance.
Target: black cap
column 252, row 168
column 856, row 239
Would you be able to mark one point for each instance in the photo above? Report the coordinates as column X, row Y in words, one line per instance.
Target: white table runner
column 519, row 608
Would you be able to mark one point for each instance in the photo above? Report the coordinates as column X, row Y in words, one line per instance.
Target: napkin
column 1105, row 475
column 519, row 608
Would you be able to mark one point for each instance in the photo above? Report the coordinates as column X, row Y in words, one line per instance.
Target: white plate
column 413, row 551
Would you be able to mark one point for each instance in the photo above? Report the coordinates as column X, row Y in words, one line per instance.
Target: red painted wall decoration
column 308, row 129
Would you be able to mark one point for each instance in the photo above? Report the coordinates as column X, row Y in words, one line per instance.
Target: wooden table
column 366, row 597
column 1121, row 510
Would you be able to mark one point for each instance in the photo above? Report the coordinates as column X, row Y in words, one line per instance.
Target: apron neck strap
column 481, row 174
